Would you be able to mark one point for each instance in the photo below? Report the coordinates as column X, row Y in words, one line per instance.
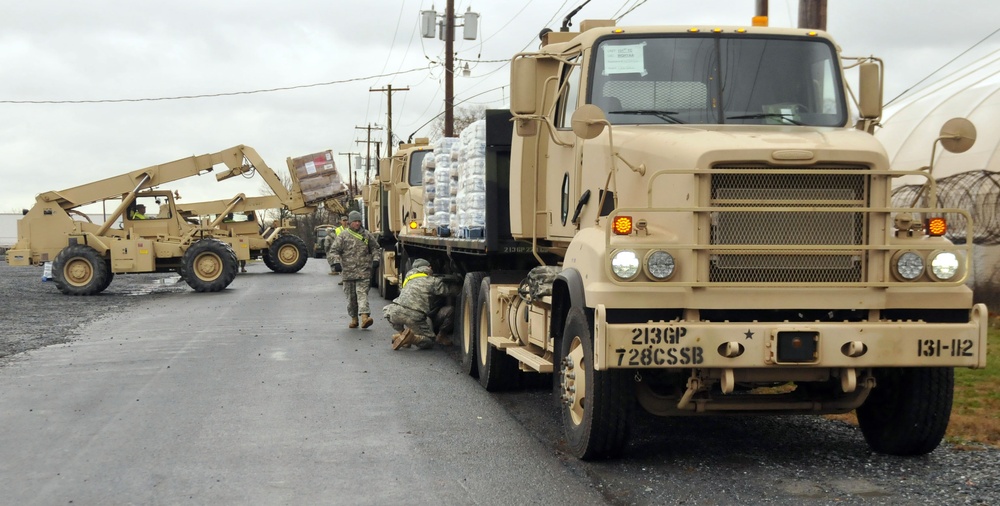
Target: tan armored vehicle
column 145, row 232
column 695, row 220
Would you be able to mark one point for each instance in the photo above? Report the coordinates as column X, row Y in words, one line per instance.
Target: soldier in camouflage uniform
column 411, row 313
column 355, row 250
column 328, row 241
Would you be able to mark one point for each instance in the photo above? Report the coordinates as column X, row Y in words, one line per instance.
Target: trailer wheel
column 497, row 370
column 210, row 265
column 908, row 410
column 596, row 405
column 80, row 270
column 465, row 324
column 289, row 254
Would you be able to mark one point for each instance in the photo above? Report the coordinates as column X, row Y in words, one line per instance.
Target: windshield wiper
column 664, row 115
column 784, row 117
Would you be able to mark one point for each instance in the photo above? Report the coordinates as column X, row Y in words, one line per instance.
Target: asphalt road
column 260, row 394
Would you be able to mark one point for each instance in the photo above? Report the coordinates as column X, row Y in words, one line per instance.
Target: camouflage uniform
column 418, row 299
column 327, row 242
column 355, row 252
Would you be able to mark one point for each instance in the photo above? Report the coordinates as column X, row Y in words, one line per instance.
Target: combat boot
column 354, row 323
column 404, row 339
column 442, row 339
column 366, row 320
column 425, row 343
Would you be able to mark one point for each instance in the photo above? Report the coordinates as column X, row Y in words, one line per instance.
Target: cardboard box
column 314, row 165
column 322, row 187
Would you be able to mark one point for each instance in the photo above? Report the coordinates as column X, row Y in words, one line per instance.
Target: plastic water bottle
column 47, row 271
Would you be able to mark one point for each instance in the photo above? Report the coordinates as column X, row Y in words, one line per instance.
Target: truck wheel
column 80, row 270
column 497, row 370
column 465, row 324
column 289, row 254
column 908, row 410
column 596, row 405
column 210, row 265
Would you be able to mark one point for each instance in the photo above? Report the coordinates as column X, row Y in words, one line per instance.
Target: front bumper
column 723, row 345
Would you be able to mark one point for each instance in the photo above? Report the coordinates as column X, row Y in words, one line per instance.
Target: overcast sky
column 127, row 60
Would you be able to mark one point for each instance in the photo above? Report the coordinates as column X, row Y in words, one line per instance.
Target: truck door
column 413, row 204
column 562, row 181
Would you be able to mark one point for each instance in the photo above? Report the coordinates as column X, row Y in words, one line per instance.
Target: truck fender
column 567, row 292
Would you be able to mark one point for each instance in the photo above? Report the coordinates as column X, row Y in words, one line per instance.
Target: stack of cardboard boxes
column 318, row 176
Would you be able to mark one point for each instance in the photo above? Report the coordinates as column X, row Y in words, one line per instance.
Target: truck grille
column 786, row 227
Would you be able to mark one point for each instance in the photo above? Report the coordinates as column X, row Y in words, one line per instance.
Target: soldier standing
column 416, row 311
column 354, row 250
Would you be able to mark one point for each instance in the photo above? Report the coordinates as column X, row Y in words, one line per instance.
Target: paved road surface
column 260, row 395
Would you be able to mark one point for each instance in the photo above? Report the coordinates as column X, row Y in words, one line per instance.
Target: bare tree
column 464, row 116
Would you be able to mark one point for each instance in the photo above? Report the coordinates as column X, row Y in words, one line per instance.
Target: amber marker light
column 936, row 227
column 716, row 30
column 618, row 30
column 623, row 225
column 413, row 225
column 812, row 34
column 693, row 30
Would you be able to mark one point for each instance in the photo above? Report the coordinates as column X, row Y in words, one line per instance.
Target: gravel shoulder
column 34, row 314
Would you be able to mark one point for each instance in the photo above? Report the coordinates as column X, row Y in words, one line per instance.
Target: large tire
column 907, row 412
column 465, row 321
column 210, row 265
column 288, row 253
column 597, row 405
column 80, row 270
column 497, row 370
column 109, row 278
column 265, row 256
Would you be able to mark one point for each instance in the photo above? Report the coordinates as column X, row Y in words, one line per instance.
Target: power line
column 943, row 66
column 209, row 95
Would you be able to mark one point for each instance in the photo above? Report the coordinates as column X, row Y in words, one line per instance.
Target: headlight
column 944, row 265
column 660, row 265
column 625, row 264
column 909, row 265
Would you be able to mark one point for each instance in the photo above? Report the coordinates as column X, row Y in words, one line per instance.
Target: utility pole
column 812, row 14
column 428, row 22
column 368, row 152
column 350, row 174
column 449, row 69
column 388, row 89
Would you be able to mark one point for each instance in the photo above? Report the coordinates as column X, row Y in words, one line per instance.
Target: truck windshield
column 718, row 79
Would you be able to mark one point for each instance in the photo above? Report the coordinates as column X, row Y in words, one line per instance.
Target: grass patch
column 975, row 413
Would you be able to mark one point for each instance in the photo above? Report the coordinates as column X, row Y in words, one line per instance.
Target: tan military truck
column 145, row 232
column 696, row 221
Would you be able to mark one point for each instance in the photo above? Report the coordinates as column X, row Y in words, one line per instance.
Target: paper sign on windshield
column 624, row 59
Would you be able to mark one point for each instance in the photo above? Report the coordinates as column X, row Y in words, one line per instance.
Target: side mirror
column 588, row 121
column 869, row 90
column 523, row 87
column 385, row 170
column 957, row 135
